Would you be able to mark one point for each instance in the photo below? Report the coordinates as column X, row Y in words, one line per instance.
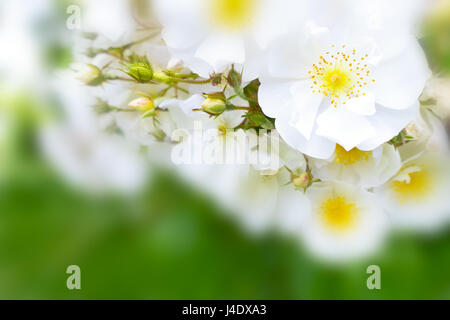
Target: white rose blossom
column 417, row 197
column 209, row 35
column 343, row 83
column 364, row 168
column 338, row 221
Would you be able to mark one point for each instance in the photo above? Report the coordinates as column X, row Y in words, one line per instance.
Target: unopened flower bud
column 214, row 106
column 302, row 181
column 140, row 71
column 143, row 104
column 90, row 75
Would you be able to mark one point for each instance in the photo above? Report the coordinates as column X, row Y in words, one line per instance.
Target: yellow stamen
column 232, row 14
column 416, row 186
column 337, row 75
column 338, row 214
column 353, row 156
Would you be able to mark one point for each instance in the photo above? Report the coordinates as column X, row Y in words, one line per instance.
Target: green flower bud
column 214, row 106
column 216, row 95
column 90, row 75
column 140, row 71
column 143, row 104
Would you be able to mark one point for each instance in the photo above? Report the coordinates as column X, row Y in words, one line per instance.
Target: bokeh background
column 165, row 240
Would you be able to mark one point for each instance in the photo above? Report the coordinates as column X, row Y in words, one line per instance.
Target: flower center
column 338, row 214
column 416, row 186
column 353, row 156
column 232, row 14
column 341, row 75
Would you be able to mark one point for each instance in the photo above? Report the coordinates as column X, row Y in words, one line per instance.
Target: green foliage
column 258, row 119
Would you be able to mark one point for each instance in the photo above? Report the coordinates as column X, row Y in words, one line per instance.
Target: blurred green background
column 167, row 241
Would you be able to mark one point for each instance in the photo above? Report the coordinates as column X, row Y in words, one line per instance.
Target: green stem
column 182, row 76
column 241, row 108
column 192, row 81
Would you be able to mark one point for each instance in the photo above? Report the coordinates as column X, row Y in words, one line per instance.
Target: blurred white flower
column 145, row 130
column 265, row 198
column 82, row 153
column 344, row 222
column 210, row 35
column 21, row 57
column 112, row 19
column 96, row 162
column 293, row 208
column 364, row 168
column 254, row 200
column 417, row 197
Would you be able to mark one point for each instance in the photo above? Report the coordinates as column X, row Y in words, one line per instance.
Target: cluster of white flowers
column 324, row 92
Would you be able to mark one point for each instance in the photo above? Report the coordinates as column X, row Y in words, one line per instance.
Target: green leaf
column 260, row 120
column 251, row 92
column 235, row 81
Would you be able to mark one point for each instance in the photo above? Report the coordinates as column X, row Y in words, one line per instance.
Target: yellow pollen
column 417, row 187
column 338, row 214
column 336, row 77
column 232, row 14
column 351, row 157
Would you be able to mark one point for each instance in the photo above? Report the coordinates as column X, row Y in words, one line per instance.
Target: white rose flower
column 209, row 35
column 344, row 83
column 417, row 197
column 364, row 168
column 342, row 221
